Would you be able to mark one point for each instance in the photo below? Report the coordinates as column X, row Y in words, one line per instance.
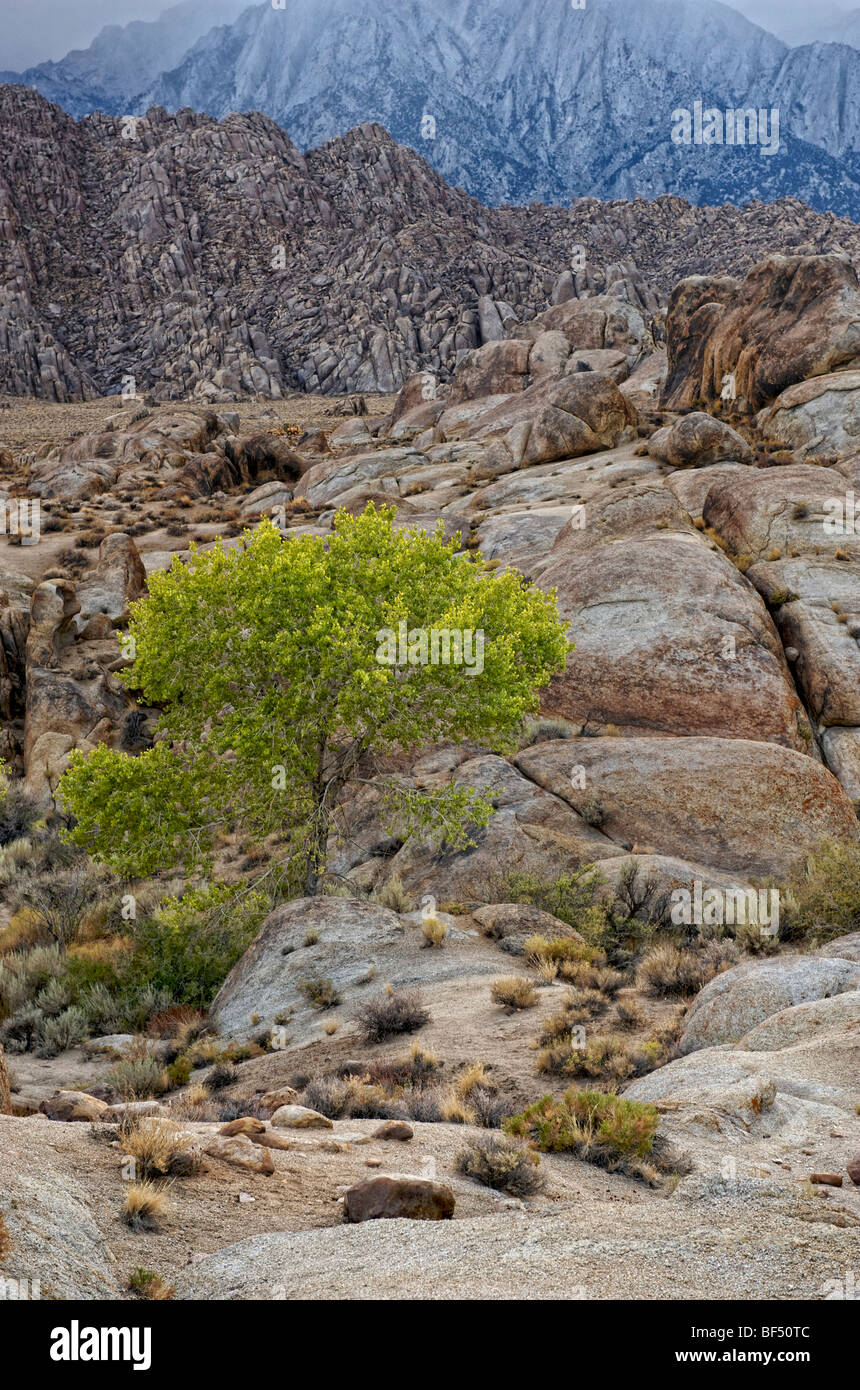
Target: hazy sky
column 34, row 30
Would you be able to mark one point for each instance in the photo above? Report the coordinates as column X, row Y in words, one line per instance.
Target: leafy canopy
column 264, row 661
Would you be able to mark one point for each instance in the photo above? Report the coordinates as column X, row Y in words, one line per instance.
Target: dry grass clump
column 393, row 895
column 157, row 1147
column 410, row 1088
column 433, row 930
column 179, row 1023
column 629, row 1015
column 608, row 1056
column 390, row 1013
column 588, row 975
column 578, row 1006
column 145, row 1206
column 150, row 1286
column 5, row 1241
column 322, row 993
column 194, row 1103
column 560, row 948
column 666, row 970
column 497, row 1162
column 513, row 992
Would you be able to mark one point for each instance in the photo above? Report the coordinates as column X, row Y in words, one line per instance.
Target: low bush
column 390, row 1013
column 667, row 970
column 188, row 946
column 138, row 1078
column 320, row 992
column 603, row 1129
column 499, row 1163
column 513, row 992
column 823, row 895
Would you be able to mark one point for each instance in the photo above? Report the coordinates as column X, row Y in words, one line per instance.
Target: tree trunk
column 315, row 869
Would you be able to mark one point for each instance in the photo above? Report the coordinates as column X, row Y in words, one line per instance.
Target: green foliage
column 570, row 897
column 824, row 896
column 264, row 660
column 138, row 1078
column 588, row 1123
column 189, row 945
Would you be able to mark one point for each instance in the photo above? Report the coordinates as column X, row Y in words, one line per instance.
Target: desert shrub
column 426, row 1106
column 59, row 1033
column 601, row 1128
column 600, row 978
column 667, row 970
column 541, row 730
column 350, row 1097
column 23, row 974
column 55, row 997
column 823, row 896
column 5, row 1241
column 221, row 1076
column 18, row 811
column 393, row 895
column 499, row 1163
column 569, row 897
column 179, row 1071
column 19, row 1031
column 629, row 1015
column 488, row 1107
column 320, row 992
column 608, row 1056
column 390, row 1013
column 750, row 938
column 60, row 900
column 189, row 945
column 145, row 1206
column 138, row 1078
column 578, row 1006
column 513, row 992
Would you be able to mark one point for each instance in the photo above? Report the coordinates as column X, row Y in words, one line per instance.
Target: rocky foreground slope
column 706, row 730
column 186, row 257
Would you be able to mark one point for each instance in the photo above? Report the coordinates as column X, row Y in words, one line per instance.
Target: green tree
column 277, row 667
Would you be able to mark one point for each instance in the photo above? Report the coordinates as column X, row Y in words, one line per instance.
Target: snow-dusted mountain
column 525, row 100
column 125, row 58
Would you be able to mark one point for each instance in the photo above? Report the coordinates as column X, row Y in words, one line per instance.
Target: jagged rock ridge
column 213, row 258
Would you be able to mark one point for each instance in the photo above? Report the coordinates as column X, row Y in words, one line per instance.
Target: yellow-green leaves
column 269, row 657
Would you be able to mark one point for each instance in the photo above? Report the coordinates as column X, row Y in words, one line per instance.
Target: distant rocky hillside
column 517, row 100
column 214, row 259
